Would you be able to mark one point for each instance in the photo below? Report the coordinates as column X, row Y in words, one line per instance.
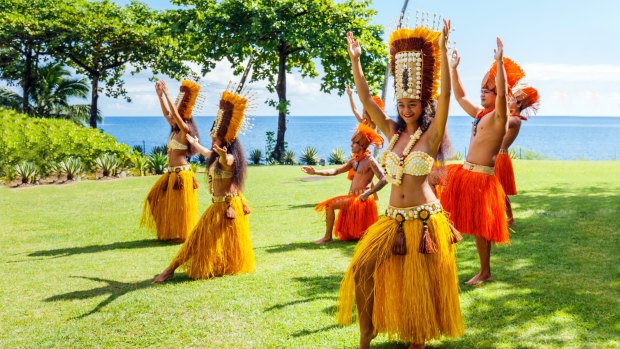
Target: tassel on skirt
column 415, row 295
column 218, row 245
column 171, row 206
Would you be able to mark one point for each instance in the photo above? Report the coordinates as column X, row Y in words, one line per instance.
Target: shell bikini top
column 173, row 144
column 218, row 173
column 416, row 163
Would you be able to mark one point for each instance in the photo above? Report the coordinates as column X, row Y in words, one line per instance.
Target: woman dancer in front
column 220, row 243
column 171, row 206
column 403, row 274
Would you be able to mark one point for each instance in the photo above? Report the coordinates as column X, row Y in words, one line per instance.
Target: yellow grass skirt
column 171, row 206
column 415, row 295
column 218, row 245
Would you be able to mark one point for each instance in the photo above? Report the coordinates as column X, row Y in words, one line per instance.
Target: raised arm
column 173, row 110
column 438, row 126
column 201, row 149
column 459, row 92
column 378, row 116
column 353, row 108
column 501, row 105
column 162, row 104
column 374, row 165
column 225, row 159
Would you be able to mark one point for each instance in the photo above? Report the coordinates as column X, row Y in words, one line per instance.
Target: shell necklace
column 397, row 176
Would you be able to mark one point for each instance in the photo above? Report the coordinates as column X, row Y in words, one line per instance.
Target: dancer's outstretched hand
column 308, row 170
column 348, row 90
column 456, row 59
column 445, row 34
column 220, row 151
column 499, row 51
column 158, row 88
column 353, row 46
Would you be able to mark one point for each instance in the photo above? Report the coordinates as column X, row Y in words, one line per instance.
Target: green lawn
column 76, row 269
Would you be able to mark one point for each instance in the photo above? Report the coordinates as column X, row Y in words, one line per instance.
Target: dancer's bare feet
column 324, row 240
column 365, row 340
column 511, row 221
column 167, row 274
column 479, row 279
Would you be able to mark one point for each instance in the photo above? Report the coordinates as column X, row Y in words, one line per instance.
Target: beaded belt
column 503, row 151
column 411, row 213
column 489, row 170
column 178, row 168
column 226, row 198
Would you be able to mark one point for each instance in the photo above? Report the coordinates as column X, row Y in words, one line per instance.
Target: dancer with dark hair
column 358, row 210
column 473, row 195
column 220, row 243
column 171, row 206
column 403, row 272
column 522, row 104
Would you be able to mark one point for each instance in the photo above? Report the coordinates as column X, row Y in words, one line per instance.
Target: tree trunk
column 282, row 105
column 94, row 95
column 27, row 83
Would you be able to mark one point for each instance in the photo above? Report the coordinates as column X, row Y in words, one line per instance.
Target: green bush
column 160, row 149
column 157, row 163
column 140, row 164
column 108, row 164
column 46, row 141
column 194, row 167
column 337, row 157
column 289, row 158
column 27, row 171
column 309, row 156
column 72, row 167
column 255, row 156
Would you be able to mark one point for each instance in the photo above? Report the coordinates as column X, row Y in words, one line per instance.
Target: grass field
column 76, row 271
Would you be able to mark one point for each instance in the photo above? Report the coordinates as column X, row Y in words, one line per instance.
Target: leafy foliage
column 140, row 163
column 108, row 164
column 27, row 171
column 337, row 157
column 72, row 166
column 47, row 141
column 157, row 163
column 309, row 156
column 160, row 149
column 289, row 158
column 256, row 156
column 194, row 167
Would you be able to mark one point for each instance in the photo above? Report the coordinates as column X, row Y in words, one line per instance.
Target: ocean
column 554, row 137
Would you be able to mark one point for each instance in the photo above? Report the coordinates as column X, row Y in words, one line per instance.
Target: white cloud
column 572, row 72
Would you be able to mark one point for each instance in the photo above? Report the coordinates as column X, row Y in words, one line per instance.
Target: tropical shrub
column 57, row 169
column 72, row 167
column 160, row 149
column 157, row 163
column 140, row 164
column 289, row 158
column 108, row 164
column 138, row 148
column 309, row 156
column 337, row 157
column 46, row 141
column 27, row 171
column 255, row 156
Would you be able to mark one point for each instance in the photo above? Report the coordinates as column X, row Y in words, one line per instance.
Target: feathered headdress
column 379, row 102
column 186, row 100
column 365, row 136
column 528, row 97
column 231, row 118
column 514, row 73
column 415, row 61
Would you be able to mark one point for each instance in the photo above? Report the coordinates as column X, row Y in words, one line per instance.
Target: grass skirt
column 415, row 295
column 505, row 173
column 354, row 217
column 476, row 204
column 171, row 206
column 218, row 245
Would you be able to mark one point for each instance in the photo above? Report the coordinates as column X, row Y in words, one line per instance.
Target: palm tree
column 51, row 93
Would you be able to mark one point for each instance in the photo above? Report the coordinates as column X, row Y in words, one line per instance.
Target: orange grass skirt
column 218, row 245
column 171, row 206
column 505, row 173
column 354, row 217
column 476, row 204
column 415, row 295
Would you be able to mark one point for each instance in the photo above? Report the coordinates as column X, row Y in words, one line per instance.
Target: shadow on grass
column 114, row 290
column 293, row 207
column 123, row 245
column 335, row 244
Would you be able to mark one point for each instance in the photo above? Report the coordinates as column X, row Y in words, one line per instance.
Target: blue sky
column 568, row 50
